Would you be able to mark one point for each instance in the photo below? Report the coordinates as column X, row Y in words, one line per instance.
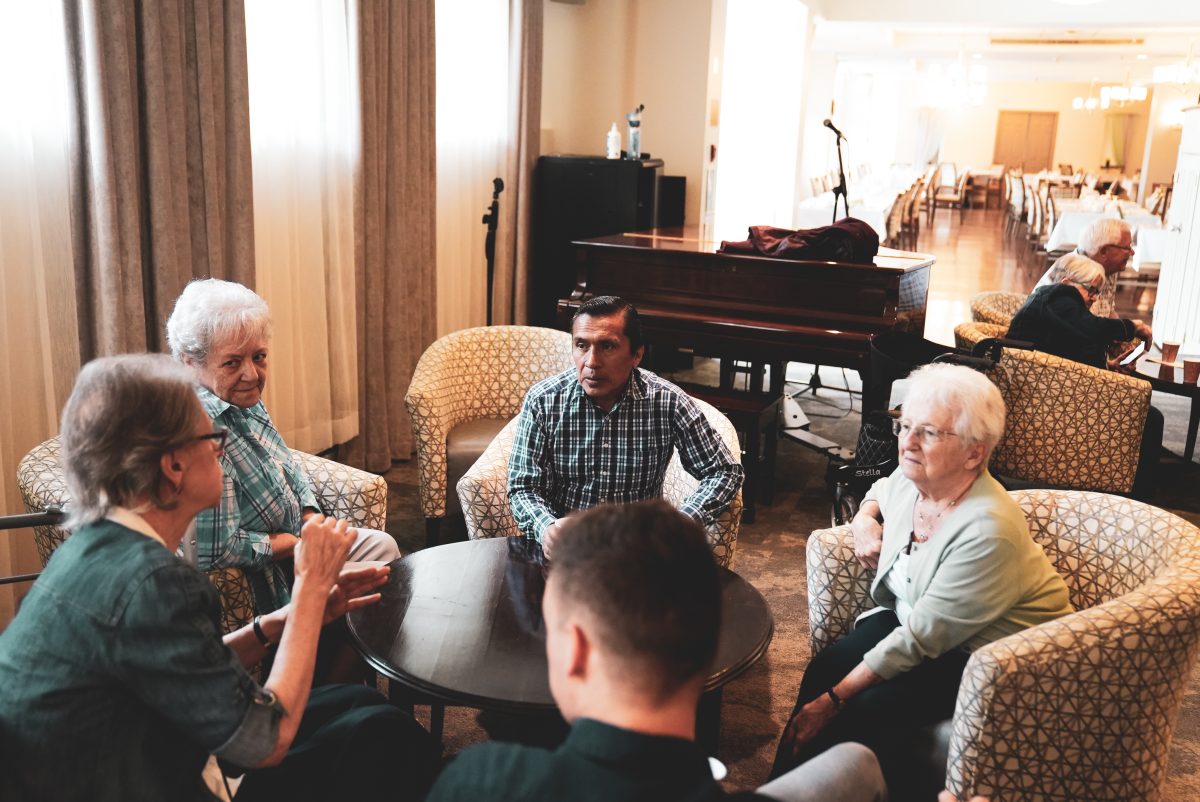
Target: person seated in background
column 1107, row 241
column 1057, row 318
column 606, row 430
column 115, row 682
column 632, row 609
column 955, row 569
column 221, row 331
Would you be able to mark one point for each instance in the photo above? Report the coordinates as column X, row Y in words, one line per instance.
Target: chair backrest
column 947, row 174
column 498, row 363
column 996, row 307
column 1105, row 546
column 1068, row 425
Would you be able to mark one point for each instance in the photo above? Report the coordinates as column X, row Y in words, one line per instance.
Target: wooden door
column 1026, row 139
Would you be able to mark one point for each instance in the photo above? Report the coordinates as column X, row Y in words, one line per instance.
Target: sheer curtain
column 39, row 340
column 304, row 139
column 472, row 121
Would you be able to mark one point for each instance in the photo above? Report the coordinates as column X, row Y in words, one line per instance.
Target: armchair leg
column 433, row 529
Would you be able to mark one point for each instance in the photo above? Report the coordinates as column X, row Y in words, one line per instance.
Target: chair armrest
column 353, row 495
column 1085, row 703
column 483, row 489
column 839, row 588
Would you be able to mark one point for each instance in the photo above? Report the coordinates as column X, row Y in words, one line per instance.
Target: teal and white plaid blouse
column 265, row 492
column 569, row 455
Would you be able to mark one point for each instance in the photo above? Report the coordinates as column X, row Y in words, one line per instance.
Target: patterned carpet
column 771, row 556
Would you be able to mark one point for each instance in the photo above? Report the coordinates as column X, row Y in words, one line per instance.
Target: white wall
column 603, row 58
column 1162, row 143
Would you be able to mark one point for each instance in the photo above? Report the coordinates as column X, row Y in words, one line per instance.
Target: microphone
column 829, row 124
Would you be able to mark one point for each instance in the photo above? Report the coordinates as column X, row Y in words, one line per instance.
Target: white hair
column 210, row 312
column 1079, row 269
column 970, row 397
column 1098, row 233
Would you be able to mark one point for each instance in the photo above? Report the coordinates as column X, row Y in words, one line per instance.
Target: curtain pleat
column 510, row 293
column 395, row 254
column 160, row 177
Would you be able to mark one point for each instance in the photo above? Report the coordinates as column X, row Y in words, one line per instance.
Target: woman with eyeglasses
column 1057, row 318
column 955, row 568
column 115, row 680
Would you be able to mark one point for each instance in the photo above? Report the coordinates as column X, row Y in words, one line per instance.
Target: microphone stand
column 840, row 189
column 489, row 245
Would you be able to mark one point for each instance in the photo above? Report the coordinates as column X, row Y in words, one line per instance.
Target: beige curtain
column 39, row 344
column 510, row 294
column 304, row 132
column 160, row 179
column 394, row 219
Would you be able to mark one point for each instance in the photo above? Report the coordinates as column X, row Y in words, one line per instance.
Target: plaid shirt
column 265, row 492
column 569, row 455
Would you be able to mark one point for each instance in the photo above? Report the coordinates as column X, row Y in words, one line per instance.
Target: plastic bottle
column 612, row 148
column 635, row 133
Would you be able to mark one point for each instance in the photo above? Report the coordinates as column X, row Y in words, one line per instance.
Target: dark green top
column 1057, row 321
column 114, row 682
column 597, row 762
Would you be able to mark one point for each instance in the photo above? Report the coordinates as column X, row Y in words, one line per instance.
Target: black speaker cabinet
column 579, row 197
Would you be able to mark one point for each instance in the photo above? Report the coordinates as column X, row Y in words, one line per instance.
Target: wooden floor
column 974, row 255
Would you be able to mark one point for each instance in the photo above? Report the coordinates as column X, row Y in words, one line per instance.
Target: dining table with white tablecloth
column 1074, row 215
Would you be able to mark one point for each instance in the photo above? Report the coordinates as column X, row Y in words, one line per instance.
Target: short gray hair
column 124, row 413
column 1098, row 233
column 972, row 399
column 210, row 311
column 1079, row 269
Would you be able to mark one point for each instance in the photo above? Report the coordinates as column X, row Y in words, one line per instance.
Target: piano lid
column 695, row 239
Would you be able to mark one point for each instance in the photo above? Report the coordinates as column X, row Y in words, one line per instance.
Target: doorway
column 1026, row 139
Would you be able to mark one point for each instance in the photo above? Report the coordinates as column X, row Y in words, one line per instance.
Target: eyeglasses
column 1126, row 248
column 924, row 434
column 1094, row 292
column 220, row 435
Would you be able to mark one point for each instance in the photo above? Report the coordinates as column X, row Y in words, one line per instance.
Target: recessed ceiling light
column 1142, row 57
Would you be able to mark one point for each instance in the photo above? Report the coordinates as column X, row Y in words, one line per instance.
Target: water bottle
column 612, row 148
column 635, row 133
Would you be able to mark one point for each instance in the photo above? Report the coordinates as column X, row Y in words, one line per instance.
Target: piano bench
column 755, row 416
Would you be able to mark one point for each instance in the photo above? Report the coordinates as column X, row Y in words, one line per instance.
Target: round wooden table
column 461, row 624
column 1169, row 379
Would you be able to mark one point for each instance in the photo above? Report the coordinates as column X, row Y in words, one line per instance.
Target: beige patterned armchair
column 483, row 490
column 348, row 493
column 996, row 307
column 1069, row 424
column 1078, row 708
column 466, row 386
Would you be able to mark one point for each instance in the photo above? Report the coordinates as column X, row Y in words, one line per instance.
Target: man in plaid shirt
column 605, row 432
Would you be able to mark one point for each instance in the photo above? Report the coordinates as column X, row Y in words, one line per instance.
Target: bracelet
column 258, row 632
column 837, row 702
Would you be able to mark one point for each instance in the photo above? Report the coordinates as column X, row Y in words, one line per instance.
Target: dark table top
column 462, row 623
column 1167, row 378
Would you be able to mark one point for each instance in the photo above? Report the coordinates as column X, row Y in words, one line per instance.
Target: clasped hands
column 320, row 558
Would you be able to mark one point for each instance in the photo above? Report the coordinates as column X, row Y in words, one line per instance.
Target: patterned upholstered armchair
column 1069, row 424
column 1078, row 708
column 466, row 386
column 996, row 307
column 356, row 496
column 483, row 490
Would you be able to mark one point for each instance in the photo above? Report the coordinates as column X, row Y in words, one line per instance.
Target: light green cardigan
column 980, row 578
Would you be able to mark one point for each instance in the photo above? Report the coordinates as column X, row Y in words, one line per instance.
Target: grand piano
column 757, row 309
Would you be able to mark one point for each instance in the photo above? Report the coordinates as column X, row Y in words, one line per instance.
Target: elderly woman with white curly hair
column 955, row 568
column 221, row 330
